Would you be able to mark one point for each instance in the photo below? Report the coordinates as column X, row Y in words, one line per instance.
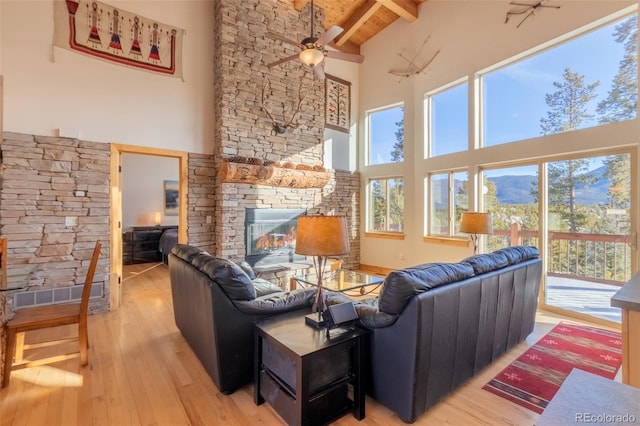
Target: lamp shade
column 322, row 236
column 311, row 57
column 157, row 218
column 476, row 223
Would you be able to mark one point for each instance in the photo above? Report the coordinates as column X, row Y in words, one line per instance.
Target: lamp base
column 315, row 320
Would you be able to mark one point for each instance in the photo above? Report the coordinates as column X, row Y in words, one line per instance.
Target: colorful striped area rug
column 535, row 377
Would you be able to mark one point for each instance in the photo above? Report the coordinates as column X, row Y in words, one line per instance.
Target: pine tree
column 397, row 153
column 568, row 111
column 622, row 100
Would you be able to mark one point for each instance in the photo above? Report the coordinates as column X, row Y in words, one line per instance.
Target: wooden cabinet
column 140, row 244
column 307, row 376
column 628, row 299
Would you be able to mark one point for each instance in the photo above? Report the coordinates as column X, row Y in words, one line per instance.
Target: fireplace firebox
column 270, row 236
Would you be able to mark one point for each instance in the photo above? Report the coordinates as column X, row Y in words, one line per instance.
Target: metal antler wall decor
column 412, row 67
column 282, row 126
column 527, row 9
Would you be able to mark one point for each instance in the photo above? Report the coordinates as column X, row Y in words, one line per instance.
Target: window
column 447, row 118
column 386, row 135
column 585, row 82
column 386, row 205
column 449, row 197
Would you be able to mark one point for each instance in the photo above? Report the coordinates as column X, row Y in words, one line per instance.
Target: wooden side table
column 305, row 375
column 628, row 299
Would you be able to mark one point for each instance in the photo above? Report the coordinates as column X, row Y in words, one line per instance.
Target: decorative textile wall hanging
column 337, row 103
column 115, row 35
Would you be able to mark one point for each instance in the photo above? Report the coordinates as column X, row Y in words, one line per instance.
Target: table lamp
column 321, row 236
column 476, row 223
column 157, row 218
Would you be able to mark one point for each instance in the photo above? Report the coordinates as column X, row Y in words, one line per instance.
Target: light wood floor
column 142, row 372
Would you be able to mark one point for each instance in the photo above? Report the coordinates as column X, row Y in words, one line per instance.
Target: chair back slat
column 3, row 253
column 88, row 281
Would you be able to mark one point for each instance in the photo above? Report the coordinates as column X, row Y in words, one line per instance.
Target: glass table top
column 341, row 280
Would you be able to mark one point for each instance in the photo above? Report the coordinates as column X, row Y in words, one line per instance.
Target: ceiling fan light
column 311, row 57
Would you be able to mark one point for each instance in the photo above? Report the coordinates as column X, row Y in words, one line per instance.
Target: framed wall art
column 171, row 198
column 337, row 103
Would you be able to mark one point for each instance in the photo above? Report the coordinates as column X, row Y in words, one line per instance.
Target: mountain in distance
column 516, row 189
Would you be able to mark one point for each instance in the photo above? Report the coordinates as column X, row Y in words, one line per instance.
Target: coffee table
column 340, row 280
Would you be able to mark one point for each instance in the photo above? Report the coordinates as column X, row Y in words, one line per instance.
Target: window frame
column 452, row 234
column 368, row 132
column 428, row 115
column 370, row 231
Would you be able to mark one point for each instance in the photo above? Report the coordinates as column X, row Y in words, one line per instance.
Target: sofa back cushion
column 517, row 254
column 487, row 262
column 229, row 276
column 402, row 284
column 186, row 252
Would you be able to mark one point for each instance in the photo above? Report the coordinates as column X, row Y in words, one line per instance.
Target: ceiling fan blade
column 344, row 56
column 329, row 35
column 285, row 39
column 280, row 61
column 319, row 70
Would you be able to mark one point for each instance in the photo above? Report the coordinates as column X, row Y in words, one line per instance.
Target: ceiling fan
column 313, row 49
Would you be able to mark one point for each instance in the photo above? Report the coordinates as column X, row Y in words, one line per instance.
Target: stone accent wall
column 54, row 206
column 202, row 201
column 244, row 129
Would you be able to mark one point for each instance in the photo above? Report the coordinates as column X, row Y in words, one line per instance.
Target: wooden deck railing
column 599, row 258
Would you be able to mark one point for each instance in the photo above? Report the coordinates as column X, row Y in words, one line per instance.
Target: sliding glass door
column 588, row 233
column 578, row 212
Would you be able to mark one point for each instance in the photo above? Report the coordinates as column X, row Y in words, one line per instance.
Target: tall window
column 447, row 117
column 386, row 135
column 386, row 205
column 449, row 197
column 585, row 82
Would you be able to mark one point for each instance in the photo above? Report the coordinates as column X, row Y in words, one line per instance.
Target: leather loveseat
column 434, row 326
column 215, row 306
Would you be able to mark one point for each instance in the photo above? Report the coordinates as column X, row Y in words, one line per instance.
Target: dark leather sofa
column 434, row 326
column 215, row 306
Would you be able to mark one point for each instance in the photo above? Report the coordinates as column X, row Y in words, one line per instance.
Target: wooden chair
column 3, row 253
column 39, row 317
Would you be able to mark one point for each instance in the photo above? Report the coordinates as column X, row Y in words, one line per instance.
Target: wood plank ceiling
column 361, row 19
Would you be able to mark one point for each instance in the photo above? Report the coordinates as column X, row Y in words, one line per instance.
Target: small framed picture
column 171, row 198
column 337, row 103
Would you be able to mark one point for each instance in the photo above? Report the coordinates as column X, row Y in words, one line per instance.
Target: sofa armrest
column 277, row 303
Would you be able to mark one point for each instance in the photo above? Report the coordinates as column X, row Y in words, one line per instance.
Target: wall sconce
column 157, row 218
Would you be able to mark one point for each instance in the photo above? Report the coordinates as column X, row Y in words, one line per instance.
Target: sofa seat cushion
column 264, row 287
column 517, row 254
column 276, row 303
column 488, row 262
column 229, row 276
column 402, row 284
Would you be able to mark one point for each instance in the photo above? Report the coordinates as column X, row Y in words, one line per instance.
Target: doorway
column 117, row 151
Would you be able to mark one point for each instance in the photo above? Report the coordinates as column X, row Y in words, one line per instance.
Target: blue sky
column 514, row 96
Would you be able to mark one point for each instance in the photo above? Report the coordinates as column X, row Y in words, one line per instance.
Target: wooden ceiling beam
column 358, row 19
column 406, row 9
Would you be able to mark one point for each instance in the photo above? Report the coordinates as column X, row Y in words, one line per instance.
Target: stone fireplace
column 245, row 137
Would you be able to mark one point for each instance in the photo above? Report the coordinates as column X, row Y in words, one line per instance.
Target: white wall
column 47, row 89
column 471, row 35
column 340, row 148
column 143, row 179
